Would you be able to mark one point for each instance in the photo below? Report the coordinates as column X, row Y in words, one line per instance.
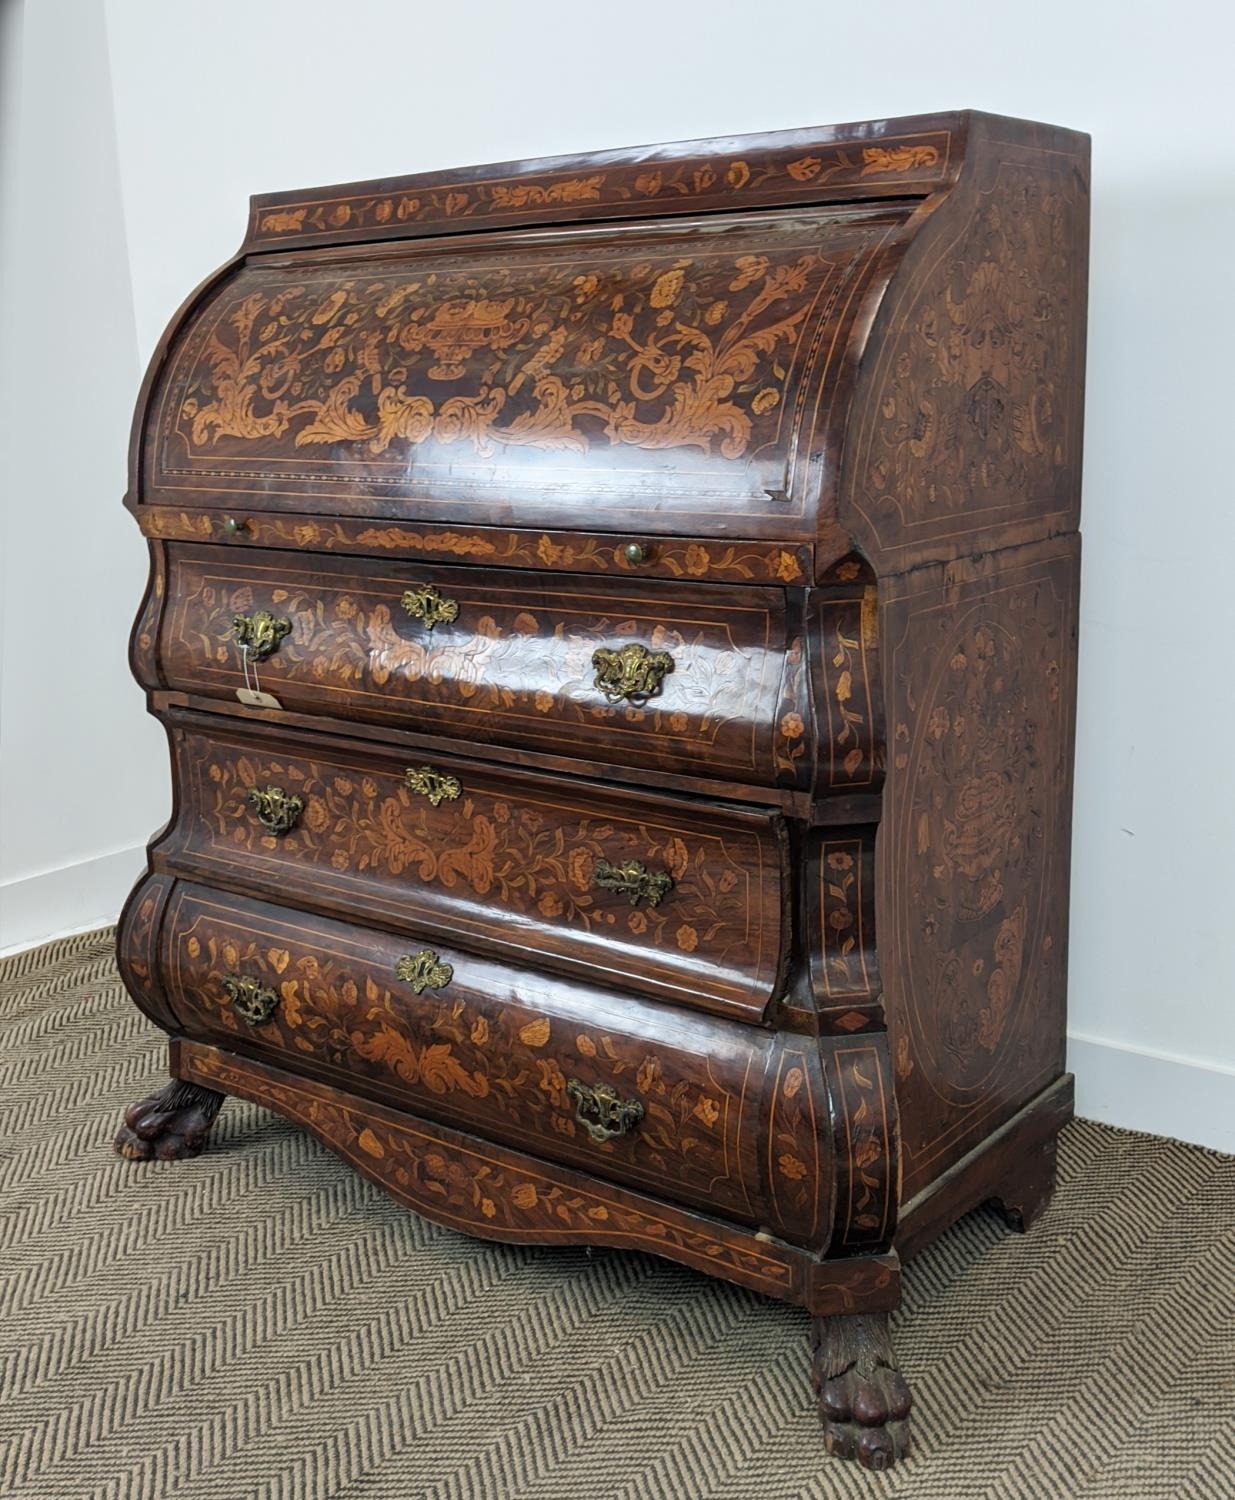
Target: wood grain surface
column 615, row 621
column 510, row 861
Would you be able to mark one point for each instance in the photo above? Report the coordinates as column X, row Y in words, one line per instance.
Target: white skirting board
column 55, row 903
column 1157, row 1092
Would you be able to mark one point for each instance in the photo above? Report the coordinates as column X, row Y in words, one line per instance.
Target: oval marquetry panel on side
column 976, row 841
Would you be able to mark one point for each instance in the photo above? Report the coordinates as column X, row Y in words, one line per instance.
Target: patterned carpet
column 262, row 1325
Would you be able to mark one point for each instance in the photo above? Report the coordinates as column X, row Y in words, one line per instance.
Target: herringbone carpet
column 260, row 1323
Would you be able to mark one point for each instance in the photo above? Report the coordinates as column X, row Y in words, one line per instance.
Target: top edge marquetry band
column 443, row 203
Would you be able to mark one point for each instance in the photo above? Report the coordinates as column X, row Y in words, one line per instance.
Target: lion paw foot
column 864, row 1402
column 170, row 1125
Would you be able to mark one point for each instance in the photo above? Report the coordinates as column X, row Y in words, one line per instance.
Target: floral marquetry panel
column 508, row 856
column 492, row 1191
column 969, row 429
column 684, row 558
column 515, row 664
column 840, row 905
column 790, row 167
column 866, row 1144
column 657, row 375
column 848, row 688
column 978, row 827
column 487, row 1047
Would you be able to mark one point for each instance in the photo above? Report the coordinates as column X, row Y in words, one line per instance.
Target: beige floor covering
column 261, row 1323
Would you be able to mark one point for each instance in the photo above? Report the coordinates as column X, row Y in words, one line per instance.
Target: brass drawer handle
column 424, row 971
column 602, row 1111
column 426, row 782
column 631, row 672
column 426, row 604
column 261, row 632
column 276, row 810
column 253, row 1000
column 634, row 880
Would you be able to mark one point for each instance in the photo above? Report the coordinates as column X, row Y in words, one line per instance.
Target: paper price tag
column 252, row 698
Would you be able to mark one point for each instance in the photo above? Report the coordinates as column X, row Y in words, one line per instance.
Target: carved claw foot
column 170, row 1125
column 863, row 1399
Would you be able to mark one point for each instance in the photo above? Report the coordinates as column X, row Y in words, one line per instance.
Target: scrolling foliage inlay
column 529, row 671
column 751, row 173
column 866, row 1146
column 689, row 352
column 979, row 826
column 682, row 558
column 536, row 861
column 974, row 411
column 486, row 1190
column 486, row 1061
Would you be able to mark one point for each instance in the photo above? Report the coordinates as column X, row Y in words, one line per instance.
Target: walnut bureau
column 614, row 619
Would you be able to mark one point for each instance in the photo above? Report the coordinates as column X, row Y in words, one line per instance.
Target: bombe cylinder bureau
column 614, row 618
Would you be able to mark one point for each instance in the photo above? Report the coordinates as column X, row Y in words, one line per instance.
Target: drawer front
column 682, row 901
column 677, row 677
column 624, row 1088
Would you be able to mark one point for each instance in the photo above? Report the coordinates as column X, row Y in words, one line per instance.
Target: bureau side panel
column 973, row 853
column 966, row 428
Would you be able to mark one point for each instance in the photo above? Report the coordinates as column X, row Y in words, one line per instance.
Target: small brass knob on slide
column 635, row 553
column 234, row 527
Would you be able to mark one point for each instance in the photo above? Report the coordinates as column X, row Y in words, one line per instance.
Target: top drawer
column 681, row 677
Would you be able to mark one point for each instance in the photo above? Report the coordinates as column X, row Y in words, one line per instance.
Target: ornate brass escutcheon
column 276, row 810
column 424, row 971
column 602, row 1111
column 634, row 880
column 632, row 672
column 261, row 632
column 426, row 604
column 253, row 1000
column 426, row 782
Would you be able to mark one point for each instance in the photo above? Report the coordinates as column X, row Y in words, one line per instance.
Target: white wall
column 213, row 103
column 83, row 775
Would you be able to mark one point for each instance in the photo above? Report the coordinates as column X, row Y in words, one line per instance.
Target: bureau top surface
column 662, row 340
column 823, row 163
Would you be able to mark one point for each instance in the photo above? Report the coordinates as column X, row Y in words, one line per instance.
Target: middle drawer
column 681, row 900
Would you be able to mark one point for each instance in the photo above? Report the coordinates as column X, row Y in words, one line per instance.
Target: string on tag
column 252, row 682
column 251, row 694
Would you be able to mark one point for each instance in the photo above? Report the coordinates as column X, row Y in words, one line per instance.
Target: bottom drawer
column 708, row 1112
